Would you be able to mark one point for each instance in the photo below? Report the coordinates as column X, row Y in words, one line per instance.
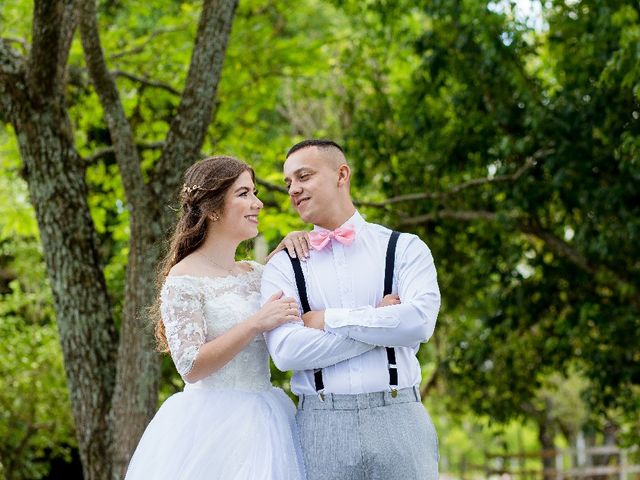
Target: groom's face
column 312, row 183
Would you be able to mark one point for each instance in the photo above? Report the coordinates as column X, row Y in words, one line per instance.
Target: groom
column 369, row 298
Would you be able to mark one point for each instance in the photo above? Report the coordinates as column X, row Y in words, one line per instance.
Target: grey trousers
column 368, row 436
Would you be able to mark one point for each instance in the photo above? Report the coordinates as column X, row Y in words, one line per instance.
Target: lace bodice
column 196, row 310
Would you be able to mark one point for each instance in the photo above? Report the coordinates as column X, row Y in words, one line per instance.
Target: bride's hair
column 201, row 197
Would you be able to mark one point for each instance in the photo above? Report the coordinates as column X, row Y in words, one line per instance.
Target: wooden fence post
column 623, row 464
column 559, row 465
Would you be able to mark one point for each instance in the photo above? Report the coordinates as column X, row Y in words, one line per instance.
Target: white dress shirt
column 347, row 283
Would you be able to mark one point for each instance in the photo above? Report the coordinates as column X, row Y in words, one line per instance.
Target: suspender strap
column 318, row 382
column 388, row 285
column 393, row 368
column 304, row 300
column 300, row 283
column 390, row 262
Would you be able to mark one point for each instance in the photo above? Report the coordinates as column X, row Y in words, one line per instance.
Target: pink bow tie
column 345, row 235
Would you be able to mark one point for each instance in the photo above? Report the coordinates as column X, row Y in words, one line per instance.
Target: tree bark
column 546, row 433
column 31, row 96
column 138, row 368
column 137, row 371
column 58, row 192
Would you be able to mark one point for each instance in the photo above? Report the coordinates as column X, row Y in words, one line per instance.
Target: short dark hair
column 314, row 143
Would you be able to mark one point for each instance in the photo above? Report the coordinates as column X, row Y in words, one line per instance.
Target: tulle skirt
column 220, row 434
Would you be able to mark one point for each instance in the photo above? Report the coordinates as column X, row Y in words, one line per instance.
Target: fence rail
column 593, row 463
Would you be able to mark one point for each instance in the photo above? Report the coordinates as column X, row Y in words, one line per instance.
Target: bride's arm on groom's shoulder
column 405, row 322
column 292, row 345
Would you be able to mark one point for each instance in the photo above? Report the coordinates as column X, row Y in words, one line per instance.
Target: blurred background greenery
column 505, row 134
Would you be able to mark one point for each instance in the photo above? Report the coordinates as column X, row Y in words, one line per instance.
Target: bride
column 229, row 422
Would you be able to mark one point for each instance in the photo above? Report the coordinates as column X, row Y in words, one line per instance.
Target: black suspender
column 304, row 300
column 300, row 283
column 388, row 284
column 390, row 263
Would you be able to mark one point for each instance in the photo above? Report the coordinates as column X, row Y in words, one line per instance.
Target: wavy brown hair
column 202, row 196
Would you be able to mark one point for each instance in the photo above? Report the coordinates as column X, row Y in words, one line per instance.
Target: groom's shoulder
column 385, row 233
column 405, row 239
column 378, row 230
column 280, row 261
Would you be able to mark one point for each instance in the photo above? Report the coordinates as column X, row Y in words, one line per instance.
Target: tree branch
column 67, row 31
column 528, row 164
column 12, row 80
column 77, row 78
column 272, row 186
column 557, row 245
column 121, row 135
column 145, row 81
column 611, row 278
column 103, row 152
column 11, row 62
column 464, row 215
column 53, row 25
column 188, row 128
column 20, row 41
column 140, row 48
column 430, row 384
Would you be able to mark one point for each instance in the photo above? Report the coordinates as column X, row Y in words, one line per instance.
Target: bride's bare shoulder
column 189, row 265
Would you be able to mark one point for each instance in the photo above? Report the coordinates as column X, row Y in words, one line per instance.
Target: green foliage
column 35, row 413
column 524, row 146
column 523, row 141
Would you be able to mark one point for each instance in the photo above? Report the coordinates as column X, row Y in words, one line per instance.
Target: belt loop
column 301, row 402
column 416, row 393
column 331, row 397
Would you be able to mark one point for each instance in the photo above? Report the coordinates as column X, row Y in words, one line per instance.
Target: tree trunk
column 136, row 393
column 32, row 99
column 546, row 434
column 136, row 389
column 59, row 194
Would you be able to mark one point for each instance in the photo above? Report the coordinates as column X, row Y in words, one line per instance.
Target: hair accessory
column 188, row 189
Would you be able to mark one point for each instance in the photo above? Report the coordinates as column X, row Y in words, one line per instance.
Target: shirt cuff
column 338, row 318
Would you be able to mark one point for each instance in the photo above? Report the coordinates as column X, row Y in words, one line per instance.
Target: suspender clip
column 321, row 396
column 394, row 392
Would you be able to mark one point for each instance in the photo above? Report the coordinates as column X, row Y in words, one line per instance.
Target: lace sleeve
column 182, row 315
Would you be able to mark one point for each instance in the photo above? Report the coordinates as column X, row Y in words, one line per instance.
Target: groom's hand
column 314, row 319
column 390, row 299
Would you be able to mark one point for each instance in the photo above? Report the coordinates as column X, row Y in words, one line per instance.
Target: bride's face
column 241, row 208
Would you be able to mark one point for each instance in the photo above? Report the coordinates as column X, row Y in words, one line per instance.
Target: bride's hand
column 275, row 312
column 297, row 244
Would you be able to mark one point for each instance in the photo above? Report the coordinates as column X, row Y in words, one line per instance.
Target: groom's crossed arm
column 292, row 345
column 403, row 325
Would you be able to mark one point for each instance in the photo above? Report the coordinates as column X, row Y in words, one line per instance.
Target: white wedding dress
column 232, row 424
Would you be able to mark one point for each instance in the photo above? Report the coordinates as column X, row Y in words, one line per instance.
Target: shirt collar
column 356, row 220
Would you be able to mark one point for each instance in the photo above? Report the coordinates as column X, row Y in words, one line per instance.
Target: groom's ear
column 344, row 175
